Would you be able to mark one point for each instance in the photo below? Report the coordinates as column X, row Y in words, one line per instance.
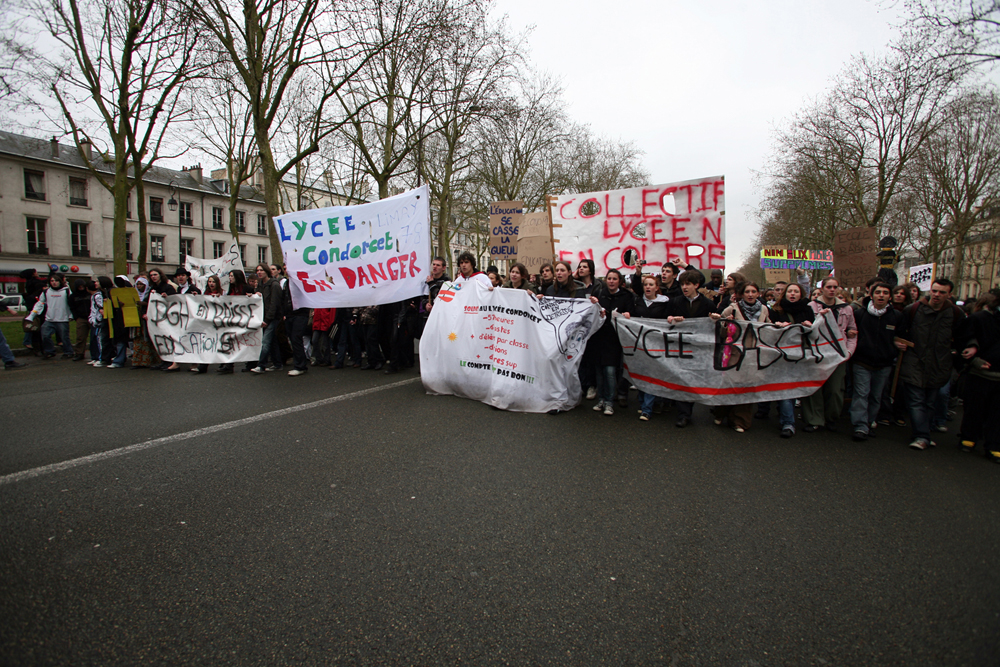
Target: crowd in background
column 909, row 353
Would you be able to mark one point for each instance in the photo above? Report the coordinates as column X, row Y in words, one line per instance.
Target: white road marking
column 149, row 444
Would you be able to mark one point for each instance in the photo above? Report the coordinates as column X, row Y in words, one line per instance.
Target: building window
column 78, row 237
column 243, row 253
column 36, row 236
column 156, row 209
column 216, row 219
column 262, row 254
column 78, row 192
column 218, row 247
column 156, row 248
column 187, row 248
column 262, row 224
column 34, row 185
column 241, row 221
column 128, row 246
column 185, row 214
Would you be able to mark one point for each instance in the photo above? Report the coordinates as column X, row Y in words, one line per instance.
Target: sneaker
column 98, row 364
column 994, row 456
column 941, row 429
column 810, row 428
column 257, row 369
column 295, row 371
column 859, row 436
column 899, row 422
column 609, row 410
column 967, row 446
column 643, row 417
column 599, row 407
column 115, row 366
column 787, row 432
column 739, row 429
column 718, row 422
column 885, row 422
column 272, row 367
column 682, row 421
column 14, row 364
column 918, row 444
column 91, row 362
column 931, row 443
column 591, row 393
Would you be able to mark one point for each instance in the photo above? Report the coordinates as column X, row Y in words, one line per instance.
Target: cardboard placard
column 505, row 221
column 773, row 276
column 534, row 251
column 855, row 256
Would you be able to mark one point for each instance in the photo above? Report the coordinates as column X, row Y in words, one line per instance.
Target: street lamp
column 172, row 206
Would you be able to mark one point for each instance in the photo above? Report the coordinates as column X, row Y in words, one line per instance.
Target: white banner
column 729, row 362
column 683, row 220
column 350, row 256
column 205, row 329
column 506, row 347
column 201, row 269
column 922, row 275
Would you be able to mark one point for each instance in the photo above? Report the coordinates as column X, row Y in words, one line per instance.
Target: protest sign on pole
column 773, row 276
column 351, row 256
column 730, row 362
column 506, row 347
column 855, row 256
column 201, row 269
column 684, row 220
column 200, row 329
column 922, row 276
column 505, row 221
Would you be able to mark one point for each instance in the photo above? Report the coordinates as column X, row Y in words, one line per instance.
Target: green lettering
column 334, row 229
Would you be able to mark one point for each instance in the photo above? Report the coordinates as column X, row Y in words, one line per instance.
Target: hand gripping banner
column 730, row 362
column 506, row 347
column 351, row 256
column 205, row 329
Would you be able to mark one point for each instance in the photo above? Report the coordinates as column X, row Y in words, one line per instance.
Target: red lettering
column 565, row 255
column 607, row 207
column 718, row 192
column 562, row 208
column 654, row 227
column 605, row 260
column 414, row 269
column 393, row 273
column 402, row 265
column 377, row 273
column 304, row 279
column 689, row 188
column 349, row 277
column 678, row 227
column 363, row 277
column 704, row 192
column 599, row 208
column 648, row 204
column 716, row 256
column 706, row 226
column 587, row 254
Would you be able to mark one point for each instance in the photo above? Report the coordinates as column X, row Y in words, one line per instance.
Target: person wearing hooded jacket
column 793, row 308
column 54, row 301
column 79, row 306
column 271, row 294
column 612, row 297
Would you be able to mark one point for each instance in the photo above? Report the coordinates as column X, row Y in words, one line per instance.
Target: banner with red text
column 350, row 256
column 506, row 347
column 683, row 220
column 730, row 362
column 200, row 329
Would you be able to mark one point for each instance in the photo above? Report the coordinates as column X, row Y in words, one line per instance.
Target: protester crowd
column 908, row 353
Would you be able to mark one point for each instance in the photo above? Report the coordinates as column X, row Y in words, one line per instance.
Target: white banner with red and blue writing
column 730, row 362
column 199, row 329
column 364, row 255
column 506, row 347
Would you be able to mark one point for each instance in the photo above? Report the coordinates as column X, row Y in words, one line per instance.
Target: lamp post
column 172, row 206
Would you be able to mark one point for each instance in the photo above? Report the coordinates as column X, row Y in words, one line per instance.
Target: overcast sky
column 699, row 87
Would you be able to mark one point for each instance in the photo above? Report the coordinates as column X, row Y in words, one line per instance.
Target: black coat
column 700, row 307
column 607, row 347
column 929, row 363
column 876, row 347
column 658, row 310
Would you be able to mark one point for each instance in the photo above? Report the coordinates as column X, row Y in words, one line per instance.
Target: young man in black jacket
column 874, row 357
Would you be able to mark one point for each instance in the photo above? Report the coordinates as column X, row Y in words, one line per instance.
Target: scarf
column 797, row 312
column 142, row 286
column 872, row 310
column 751, row 312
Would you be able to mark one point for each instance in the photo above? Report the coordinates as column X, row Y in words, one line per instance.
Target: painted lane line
column 156, row 442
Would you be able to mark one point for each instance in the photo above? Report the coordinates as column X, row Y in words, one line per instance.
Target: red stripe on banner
column 712, row 391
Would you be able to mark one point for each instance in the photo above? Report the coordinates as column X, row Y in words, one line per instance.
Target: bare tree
column 960, row 31
column 592, row 164
column 273, row 44
column 116, row 75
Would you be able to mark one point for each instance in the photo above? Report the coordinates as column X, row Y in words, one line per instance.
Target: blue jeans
column 5, row 354
column 868, row 386
column 646, row 402
column 786, row 413
column 921, row 402
column 267, row 339
column 349, row 338
column 940, row 416
column 607, row 383
column 61, row 330
column 96, row 341
column 121, row 353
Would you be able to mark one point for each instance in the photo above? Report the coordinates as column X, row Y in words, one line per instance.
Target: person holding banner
column 652, row 306
column 563, row 286
column 213, row 288
column 519, row 279
column 237, row 287
column 693, row 304
column 824, row 406
column 271, row 295
column 585, row 275
column 546, row 275
column 611, row 297
column 793, row 308
column 467, row 271
column 747, row 307
column 183, row 279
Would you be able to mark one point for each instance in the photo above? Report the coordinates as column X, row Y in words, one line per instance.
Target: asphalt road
column 384, row 526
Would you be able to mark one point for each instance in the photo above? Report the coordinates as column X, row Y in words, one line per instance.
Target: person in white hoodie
column 54, row 302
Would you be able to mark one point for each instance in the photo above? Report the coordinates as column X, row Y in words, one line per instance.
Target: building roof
column 23, row 146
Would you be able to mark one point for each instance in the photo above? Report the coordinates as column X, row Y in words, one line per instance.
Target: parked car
column 12, row 304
